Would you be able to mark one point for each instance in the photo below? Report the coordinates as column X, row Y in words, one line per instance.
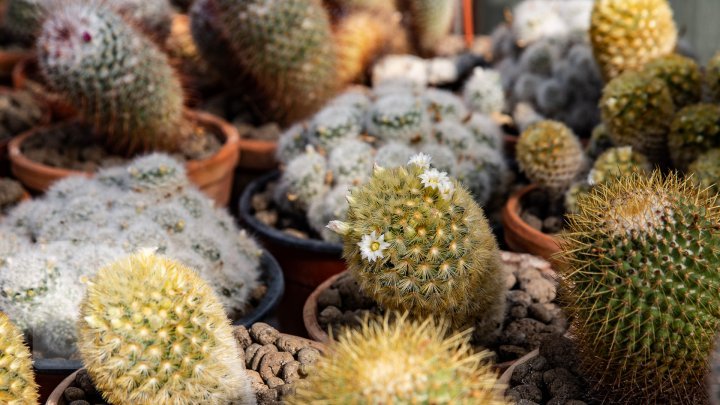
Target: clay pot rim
column 229, row 147
column 56, row 395
column 273, row 234
column 511, row 218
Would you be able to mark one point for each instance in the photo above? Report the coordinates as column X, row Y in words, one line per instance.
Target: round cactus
column 429, row 21
column 483, row 92
column 332, row 206
column 119, row 79
column 694, row 130
column 599, row 142
column 332, row 125
column 573, row 194
column 400, row 117
column 303, row 182
column 393, row 154
column 637, row 110
column 17, row 381
column 642, row 287
column 627, row 34
column 706, row 171
column 618, row 162
column 550, row 155
column 416, row 241
column 292, row 143
column 682, row 76
column 351, row 162
column 399, row 361
column 151, row 331
column 712, row 77
column 486, row 130
column 444, row 105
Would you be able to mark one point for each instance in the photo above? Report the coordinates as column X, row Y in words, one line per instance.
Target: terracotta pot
column 257, row 154
column 520, row 236
column 56, row 396
column 24, row 76
column 214, row 175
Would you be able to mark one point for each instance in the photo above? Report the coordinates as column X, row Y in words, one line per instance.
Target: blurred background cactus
column 17, row 380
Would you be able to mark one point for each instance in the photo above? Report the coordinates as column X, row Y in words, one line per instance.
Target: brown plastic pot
column 56, row 396
column 520, row 236
column 214, row 175
column 24, row 76
column 257, row 154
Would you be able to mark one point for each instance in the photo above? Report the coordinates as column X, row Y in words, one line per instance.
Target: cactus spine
column 151, row 332
column 17, row 381
column 643, row 288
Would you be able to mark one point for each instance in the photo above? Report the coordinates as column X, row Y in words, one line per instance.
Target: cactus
column 17, row 381
column 286, row 47
column 627, row 34
column 599, row 142
column 550, row 155
column 332, row 125
column 399, row 117
column 682, row 76
column 637, row 110
column 573, row 195
column 486, row 131
column 642, row 287
column 712, row 77
column 393, row 154
column 23, row 18
column 694, row 130
column 303, row 182
column 291, row 143
column 351, row 162
column 152, row 331
column 714, row 376
column 416, row 241
column 153, row 17
column 444, row 105
column 483, row 92
column 137, row 102
column 454, row 135
column 400, row 361
column 429, row 22
column 443, row 157
column 330, row 207
column 618, row 162
column 705, row 170
column 533, row 20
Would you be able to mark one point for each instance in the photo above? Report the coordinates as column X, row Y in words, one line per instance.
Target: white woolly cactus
column 292, row 143
column 394, row 154
column 483, row 92
column 444, row 105
column 334, row 124
column 351, row 162
column 48, row 246
column 303, row 181
column 323, row 210
column 486, row 130
column 398, row 117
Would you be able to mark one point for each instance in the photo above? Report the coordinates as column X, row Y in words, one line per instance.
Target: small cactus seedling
column 151, row 331
column 642, row 287
column 17, row 381
column 627, row 34
column 550, row 155
column 694, row 130
column 398, row 361
column 416, row 241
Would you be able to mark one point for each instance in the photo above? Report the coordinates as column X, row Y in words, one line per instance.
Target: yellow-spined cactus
column 626, row 34
column 401, row 362
column 17, row 382
column 152, row 331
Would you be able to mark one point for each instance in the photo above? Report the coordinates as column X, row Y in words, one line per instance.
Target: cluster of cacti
column 151, row 331
column 339, row 145
column 627, row 34
column 416, row 241
column 48, row 245
column 547, row 64
column 642, row 287
column 17, row 380
column 116, row 76
column 398, row 361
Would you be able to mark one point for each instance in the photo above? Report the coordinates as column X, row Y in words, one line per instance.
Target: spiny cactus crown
column 152, row 331
column 17, row 380
column 120, row 80
column 416, row 241
column 643, row 288
column 550, row 155
column 401, row 361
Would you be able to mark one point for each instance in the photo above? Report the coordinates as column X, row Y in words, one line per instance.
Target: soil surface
column 75, row 146
column 538, row 212
column 19, row 111
column 274, row 362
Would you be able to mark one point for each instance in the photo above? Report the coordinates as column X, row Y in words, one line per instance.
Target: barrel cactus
column 643, row 288
column 705, row 170
column 416, row 241
column 694, row 130
column 119, row 79
column 550, row 155
column 682, row 76
column 618, row 162
column 627, row 34
column 17, row 381
column 397, row 361
column 152, row 331
column 637, row 109
column 429, row 21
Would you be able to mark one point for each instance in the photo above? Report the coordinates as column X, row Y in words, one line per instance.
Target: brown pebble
column 511, row 352
column 518, row 311
column 242, row 336
column 250, row 353
column 254, row 377
column 263, row 333
column 290, row 344
column 73, row 394
column 259, row 202
column 285, row 390
column 330, row 315
column 290, row 372
column 540, row 312
column 532, row 220
column 272, row 363
column 273, row 382
column 308, row 355
column 329, row 297
column 296, row 233
column 265, row 395
column 83, row 380
column 267, row 349
column 269, row 218
column 552, row 224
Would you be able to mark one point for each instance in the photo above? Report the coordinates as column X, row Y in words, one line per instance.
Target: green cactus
column 398, row 117
column 416, row 241
column 712, row 77
column 429, row 21
column 17, row 381
column 706, row 170
column 401, row 362
column 444, row 105
column 151, row 331
column 682, row 76
column 694, row 130
column 599, row 142
column 618, row 162
column 550, row 155
column 286, row 46
column 120, row 80
column 643, row 288
column 332, row 125
column 637, row 109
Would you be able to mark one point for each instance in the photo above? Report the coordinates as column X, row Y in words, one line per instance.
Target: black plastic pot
column 50, row 372
column 306, row 263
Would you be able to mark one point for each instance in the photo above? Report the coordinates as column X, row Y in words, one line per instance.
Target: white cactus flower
column 372, row 246
column 421, row 160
